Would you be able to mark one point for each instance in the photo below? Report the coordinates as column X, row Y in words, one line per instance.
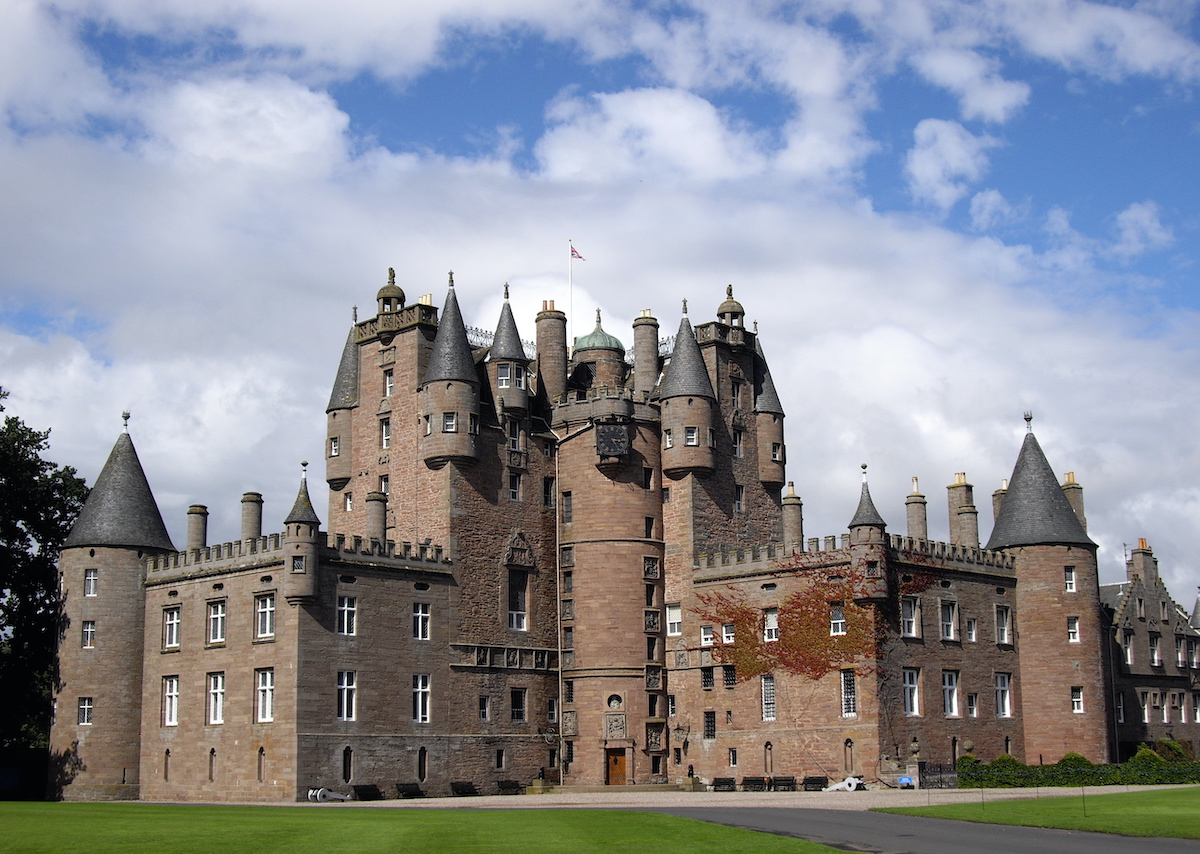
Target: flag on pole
column 575, row 254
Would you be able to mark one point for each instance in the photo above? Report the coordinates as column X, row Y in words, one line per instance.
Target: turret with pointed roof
column 451, row 358
column 508, row 366
column 768, row 417
column 300, row 545
column 688, row 407
column 449, row 394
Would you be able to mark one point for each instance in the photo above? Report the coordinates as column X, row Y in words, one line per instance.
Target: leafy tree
column 38, row 504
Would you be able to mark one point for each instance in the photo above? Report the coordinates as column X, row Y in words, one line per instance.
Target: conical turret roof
column 345, row 384
column 866, row 514
column 121, row 510
column 451, row 357
column 766, row 399
column 302, row 510
column 506, row 344
column 1035, row 510
column 686, row 375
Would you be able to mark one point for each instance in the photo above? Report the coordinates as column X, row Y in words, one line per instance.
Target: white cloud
column 982, row 93
column 1139, row 230
column 989, row 209
column 944, row 159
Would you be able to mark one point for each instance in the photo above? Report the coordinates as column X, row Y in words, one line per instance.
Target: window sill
column 170, row 650
column 264, row 640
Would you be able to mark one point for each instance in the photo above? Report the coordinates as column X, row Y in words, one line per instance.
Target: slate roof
column 121, row 510
column 345, row 384
column 686, row 375
column 598, row 339
column 1035, row 510
column 766, row 399
column 302, row 510
column 451, row 357
column 866, row 514
column 506, row 344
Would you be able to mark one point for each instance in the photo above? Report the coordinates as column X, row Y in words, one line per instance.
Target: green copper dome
column 598, row 339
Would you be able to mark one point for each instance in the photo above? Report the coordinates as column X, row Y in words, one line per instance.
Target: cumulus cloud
column 944, row 160
column 989, row 209
column 981, row 92
column 1140, row 230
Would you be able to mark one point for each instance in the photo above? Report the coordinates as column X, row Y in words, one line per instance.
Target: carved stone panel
column 653, row 620
column 682, row 658
column 568, row 609
column 614, row 726
column 654, row 736
column 570, row 723
column 653, row 678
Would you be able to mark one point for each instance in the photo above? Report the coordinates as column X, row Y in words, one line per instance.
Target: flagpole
column 570, row 295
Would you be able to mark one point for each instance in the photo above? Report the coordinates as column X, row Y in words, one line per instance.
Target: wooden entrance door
column 615, row 770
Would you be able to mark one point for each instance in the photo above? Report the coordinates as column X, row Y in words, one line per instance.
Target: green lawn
column 1166, row 812
column 50, row 828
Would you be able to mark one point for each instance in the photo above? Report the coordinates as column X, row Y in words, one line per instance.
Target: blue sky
column 942, row 214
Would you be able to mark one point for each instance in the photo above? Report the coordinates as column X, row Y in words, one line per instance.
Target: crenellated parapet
column 418, row 314
column 950, row 555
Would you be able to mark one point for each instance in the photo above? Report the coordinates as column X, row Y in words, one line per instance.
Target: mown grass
column 1164, row 812
column 54, row 828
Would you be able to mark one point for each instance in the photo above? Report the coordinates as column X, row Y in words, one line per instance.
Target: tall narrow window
column 729, row 675
column 1077, row 699
column 972, row 705
column 347, row 615
column 837, row 619
column 514, row 434
column 776, row 452
column 170, row 695
column 385, row 433
column 420, row 620
column 849, row 695
column 547, row 492
column 1004, row 695
column 910, row 616
column 347, row 689
column 1003, row 624
column 949, row 620
column 738, row 441
column 89, row 634
column 264, row 615
column 216, row 698
column 348, row 502
column 668, row 441
column 771, row 624
column 567, row 510
column 1155, row 653
column 519, row 376
column 552, row 709
column 735, row 397
column 1127, row 646
column 710, row 724
column 674, row 619
column 91, row 582
column 514, row 487
column 912, row 691
column 216, row 622
column 86, row 709
column 517, row 698
column 335, row 446
column 518, row 580
column 950, row 693
column 972, row 631
column 1069, row 579
column 264, row 689
column 385, row 484
column 485, row 708
column 1073, row 629
column 421, row 695
column 768, row 697
column 389, row 382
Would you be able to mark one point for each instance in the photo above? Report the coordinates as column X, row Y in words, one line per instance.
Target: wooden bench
column 724, row 784
column 367, row 792
column 409, row 790
column 463, row 788
column 815, row 784
column 510, row 787
column 754, row 784
column 784, row 784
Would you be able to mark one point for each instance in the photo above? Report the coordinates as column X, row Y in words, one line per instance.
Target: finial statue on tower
column 1028, row 421
column 597, row 317
column 506, row 290
column 304, row 469
column 729, row 292
column 391, row 275
column 354, row 313
column 451, row 278
column 685, row 306
column 864, row 471
column 125, row 419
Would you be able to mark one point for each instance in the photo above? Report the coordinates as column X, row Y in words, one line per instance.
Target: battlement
column 600, row 393
column 391, row 322
column 914, row 550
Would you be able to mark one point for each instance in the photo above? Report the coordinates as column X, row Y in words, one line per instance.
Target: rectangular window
column 264, row 696
column 949, row 619
column 89, row 634
column 348, row 502
column 1077, row 699
column 264, row 615
column 216, row 622
column 1164, row 611
column 216, row 698
column 674, row 619
column 738, row 441
column 733, row 757
column 1069, row 579
column 777, row 452
column 91, row 582
column 552, row 709
column 547, row 492
column 950, row 693
column 972, row 705
column 1072, row 629
column 1196, row 708
column 170, row 698
column 910, row 616
column 710, row 724
column 517, row 704
column 1003, row 624
column 389, row 382
column 647, row 478
column 729, row 675
column 1003, row 695
column 668, row 442
column 736, row 395
column 1143, row 699
column 334, row 446
column 86, row 708
column 519, row 376
column 449, row 422
column 502, row 376
column 1127, row 646
column 1141, row 608
column 385, row 484
column 691, row 436
column 514, row 434
column 385, row 433
column 706, row 636
column 1155, row 653
column 670, row 705
column 972, row 631
column 421, row 693
column 347, row 615
column 648, row 527
column 727, row 633
column 347, row 690
column 768, row 697
column 485, row 708
column 567, row 510
column 472, row 423
column 912, row 691
column 514, row 487
column 1120, row 708
column 568, row 637
column 427, row 422
column 666, row 495
column 518, row 580
column 707, row 678
column 712, row 437
column 1194, row 653
column 837, row 620
column 1180, row 654
column 420, row 620
column 771, row 624
column 568, row 690
column 849, row 695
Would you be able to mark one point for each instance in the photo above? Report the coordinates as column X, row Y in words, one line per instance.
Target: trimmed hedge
column 1005, row 772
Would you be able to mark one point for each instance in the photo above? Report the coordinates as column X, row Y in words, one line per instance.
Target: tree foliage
column 38, row 504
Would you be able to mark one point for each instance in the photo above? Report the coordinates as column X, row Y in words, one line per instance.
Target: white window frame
column 1069, row 585
column 172, row 618
column 348, row 502
column 910, row 616
column 385, row 433
column 91, row 582
column 738, row 442
column 972, row 705
column 912, row 691
column 668, row 441
column 421, row 616
column 739, row 498
column 972, row 630
column 218, row 612
column 1120, row 707
column 385, row 484
column 216, row 699
column 449, row 422
column 691, row 437
column 389, row 382
column 1127, row 646
column 347, row 615
column 1003, row 683
column 849, row 694
column 1155, row 651
column 1077, row 699
column 519, row 376
column 706, row 636
column 674, row 620
column 948, row 611
column 347, row 695
column 837, row 620
column 776, row 452
column 422, row 695
column 87, row 638
column 768, row 697
column 552, row 710
column 170, row 701
column 1003, row 624
column 264, row 616
column 727, row 633
column 514, row 486
column 1144, row 700
column 86, row 711
column 334, row 446
column 518, row 600
column 1072, row 630
column 1180, row 652
column 264, row 695
column 1195, row 708
column 770, row 624
column 503, row 377
column 950, row 693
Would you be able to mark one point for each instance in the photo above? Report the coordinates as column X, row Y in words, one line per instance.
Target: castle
column 586, row 566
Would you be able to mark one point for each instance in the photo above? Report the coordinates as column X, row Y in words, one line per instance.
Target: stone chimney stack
column 998, row 500
column 377, row 517
column 252, row 503
column 645, row 353
column 197, row 530
column 964, row 518
column 552, row 349
column 1142, row 564
column 1074, row 493
column 915, row 507
column 793, row 520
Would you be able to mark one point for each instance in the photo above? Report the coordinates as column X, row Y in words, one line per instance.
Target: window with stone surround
column 170, row 701
column 347, row 615
column 514, row 487
column 449, row 422
column 707, row 678
column 216, row 698
column 837, row 619
column 770, row 624
column 1155, row 652
column 950, row 693
column 87, row 708
column 706, row 636
column 1072, row 629
column 777, row 452
column 517, row 697
column 88, row 640
column 216, row 621
column 912, row 691
column 849, row 695
column 264, row 616
column 389, row 382
column 949, row 620
column 674, row 619
column 420, row 620
column 1069, row 579
column 1003, row 695
column 1003, row 624
column 1127, row 646
column 518, row 584
column 972, row 630
column 768, row 697
column 91, row 582
column 347, row 695
column 503, row 377
column 264, row 689
column 727, row 633
column 421, row 697
column 910, row 616
column 738, row 442
column 348, row 502
column 739, row 498
column 972, row 705
column 485, row 708
column 567, row 509
column 668, row 440
column 171, row 627
column 385, row 433
column 710, row 725
column 729, row 675
column 1077, row 699
column 334, row 446
column 691, row 436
